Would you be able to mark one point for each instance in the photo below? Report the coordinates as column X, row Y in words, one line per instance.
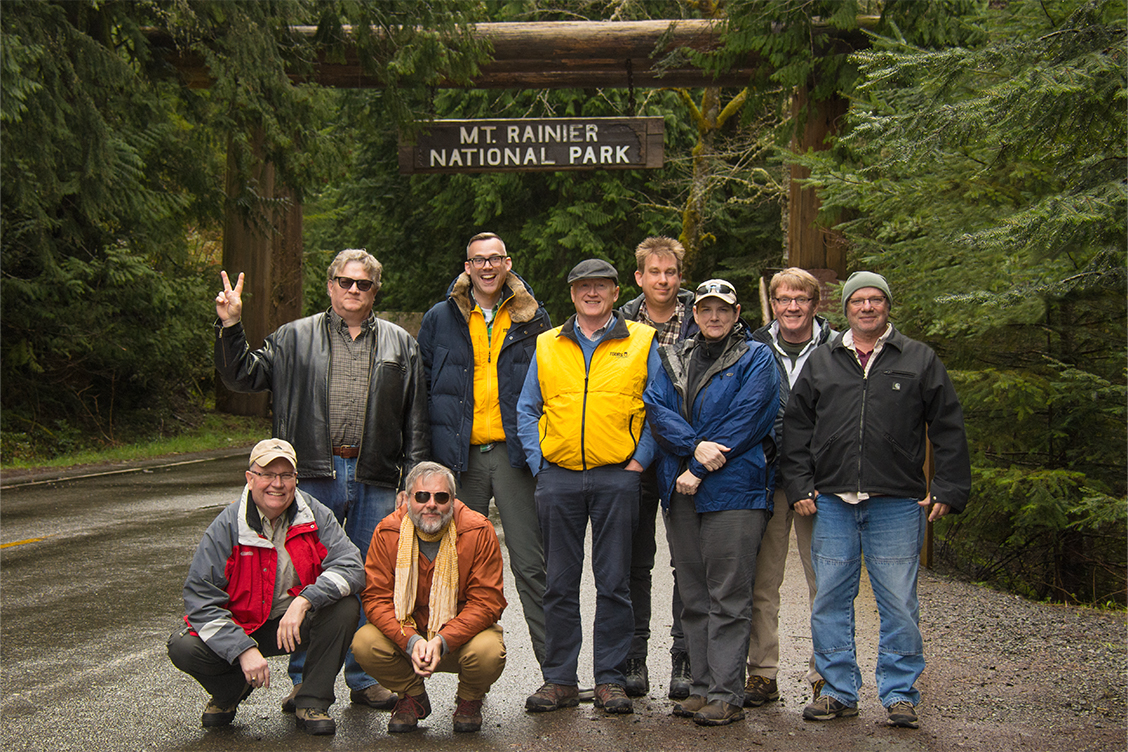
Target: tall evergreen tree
column 987, row 182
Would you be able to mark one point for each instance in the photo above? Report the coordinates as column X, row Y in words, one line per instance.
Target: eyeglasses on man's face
column 876, row 301
column 346, row 283
column 786, row 302
column 271, row 477
column 480, row 261
column 422, row 497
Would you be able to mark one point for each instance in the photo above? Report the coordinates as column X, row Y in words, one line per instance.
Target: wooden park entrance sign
column 550, row 55
column 529, row 145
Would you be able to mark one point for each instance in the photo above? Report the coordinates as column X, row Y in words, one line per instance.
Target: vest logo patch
column 618, row 353
column 896, row 386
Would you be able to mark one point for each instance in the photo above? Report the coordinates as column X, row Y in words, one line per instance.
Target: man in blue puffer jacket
column 711, row 408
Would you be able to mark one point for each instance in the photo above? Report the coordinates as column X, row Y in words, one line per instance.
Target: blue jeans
column 359, row 508
column 890, row 532
column 566, row 500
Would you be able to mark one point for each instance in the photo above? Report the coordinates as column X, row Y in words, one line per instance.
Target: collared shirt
column 865, row 361
column 597, row 335
column 668, row 330
column 350, row 369
column 285, row 577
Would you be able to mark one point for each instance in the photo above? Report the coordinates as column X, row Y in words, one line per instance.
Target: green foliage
column 987, row 183
column 418, row 225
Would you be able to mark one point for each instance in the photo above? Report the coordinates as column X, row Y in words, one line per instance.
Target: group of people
column 669, row 401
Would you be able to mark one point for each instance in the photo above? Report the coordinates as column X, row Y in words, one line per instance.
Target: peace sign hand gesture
column 229, row 302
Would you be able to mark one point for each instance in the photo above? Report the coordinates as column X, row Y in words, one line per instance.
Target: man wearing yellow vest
column 476, row 347
column 582, row 425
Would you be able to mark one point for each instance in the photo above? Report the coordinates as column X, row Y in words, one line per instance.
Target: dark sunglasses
column 346, row 283
column 713, row 288
column 422, row 497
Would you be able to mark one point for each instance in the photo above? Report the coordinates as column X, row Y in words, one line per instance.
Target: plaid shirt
column 667, row 331
column 349, row 371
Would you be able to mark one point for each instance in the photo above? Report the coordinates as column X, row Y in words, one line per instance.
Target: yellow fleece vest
column 592, row 418
column 487, row 427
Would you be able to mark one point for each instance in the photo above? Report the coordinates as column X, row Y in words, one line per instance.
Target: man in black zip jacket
column 853, row 456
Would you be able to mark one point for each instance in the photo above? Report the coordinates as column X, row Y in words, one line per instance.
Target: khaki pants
column 478, row 663
column 763, row 647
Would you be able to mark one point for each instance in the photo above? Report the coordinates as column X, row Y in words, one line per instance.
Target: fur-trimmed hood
column 522, row 305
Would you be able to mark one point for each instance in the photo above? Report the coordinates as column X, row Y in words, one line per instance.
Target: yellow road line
column 20, row 543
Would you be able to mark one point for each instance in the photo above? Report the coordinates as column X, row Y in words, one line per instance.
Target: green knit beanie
column 858, row 280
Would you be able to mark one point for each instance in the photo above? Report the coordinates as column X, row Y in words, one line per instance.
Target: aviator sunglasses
column 441, row 497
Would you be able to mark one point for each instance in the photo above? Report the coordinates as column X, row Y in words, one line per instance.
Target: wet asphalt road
column 91, row 570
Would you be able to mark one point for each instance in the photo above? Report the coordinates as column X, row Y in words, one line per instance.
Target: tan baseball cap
column 268, row 450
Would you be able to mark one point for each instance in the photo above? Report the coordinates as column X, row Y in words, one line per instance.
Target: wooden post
column 266, row 246
column 811, row 246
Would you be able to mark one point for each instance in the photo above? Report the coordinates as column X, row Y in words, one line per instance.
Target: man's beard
column 430, row 527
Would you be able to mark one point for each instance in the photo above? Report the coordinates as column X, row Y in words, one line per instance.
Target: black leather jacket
column 293, row 364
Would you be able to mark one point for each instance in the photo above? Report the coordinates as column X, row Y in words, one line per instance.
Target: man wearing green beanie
column 854, row 447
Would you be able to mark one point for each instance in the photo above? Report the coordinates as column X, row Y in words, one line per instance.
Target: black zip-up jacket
column 845, row 432
column 293, row 364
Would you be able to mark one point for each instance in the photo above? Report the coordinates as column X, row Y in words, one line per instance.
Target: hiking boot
column 375, row 696
column 637, row 677
column 902, row 714
column 758, row 690
column 553, row 697
column 718, row 713
column 219, row 715
column 690, row 705
column 825, row 708
column 315, row 721
column 288, row 705
column 612, row 699
column 409, row 710
column 817, row 688
column 680, row 678
column 468, row 715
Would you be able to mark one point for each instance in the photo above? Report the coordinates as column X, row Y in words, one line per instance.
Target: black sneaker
column 826, row 708
column 681, row 680
column 903, row 715
column 637, row 677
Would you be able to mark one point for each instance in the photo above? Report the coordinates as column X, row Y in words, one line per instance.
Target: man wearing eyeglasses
column 666, row 307
column 855, row 432
column 792, row 336
column 433, row 595
column 349, row 393
column 476, row 346
column 273, row 574
column 582, row 426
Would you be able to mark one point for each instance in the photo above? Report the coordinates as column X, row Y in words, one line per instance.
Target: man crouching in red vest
column 273, row 572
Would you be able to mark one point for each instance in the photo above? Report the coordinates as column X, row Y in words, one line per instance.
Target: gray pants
column 715, row 561
column 489, row 475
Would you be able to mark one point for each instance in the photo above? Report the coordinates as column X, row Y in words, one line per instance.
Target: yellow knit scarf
column 443, row 601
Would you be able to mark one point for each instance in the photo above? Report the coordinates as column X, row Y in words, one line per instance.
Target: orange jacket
column 481, row 597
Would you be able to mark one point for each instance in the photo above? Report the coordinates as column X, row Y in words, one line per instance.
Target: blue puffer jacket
column 448, row 362
column 735, row 405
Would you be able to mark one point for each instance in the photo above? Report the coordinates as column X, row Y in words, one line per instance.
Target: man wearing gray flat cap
column 582, row 425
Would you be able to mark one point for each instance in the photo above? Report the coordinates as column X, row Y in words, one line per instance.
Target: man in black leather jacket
column 350, row 395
